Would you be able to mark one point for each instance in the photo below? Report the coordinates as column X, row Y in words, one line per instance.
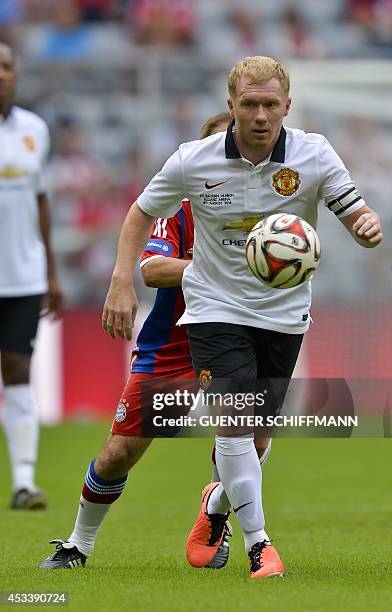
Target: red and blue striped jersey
column 161, row 346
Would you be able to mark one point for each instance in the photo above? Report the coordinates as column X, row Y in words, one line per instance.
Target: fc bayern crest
column 286, row 182
column 121, row 413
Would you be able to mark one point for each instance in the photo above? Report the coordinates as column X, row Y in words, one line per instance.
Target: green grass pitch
column 328, row 506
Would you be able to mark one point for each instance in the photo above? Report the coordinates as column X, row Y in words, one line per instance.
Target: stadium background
column 122, row 82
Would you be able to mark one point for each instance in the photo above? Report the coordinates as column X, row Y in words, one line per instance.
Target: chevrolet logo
column 12, row 172
column 246, row 224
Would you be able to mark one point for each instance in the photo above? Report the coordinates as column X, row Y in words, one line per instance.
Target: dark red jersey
column 161, row 346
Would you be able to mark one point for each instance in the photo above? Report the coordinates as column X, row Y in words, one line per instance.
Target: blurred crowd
column 292, row 28
column 122, row 82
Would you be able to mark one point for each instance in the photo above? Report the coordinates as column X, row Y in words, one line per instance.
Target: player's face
column 7, row 75
column 258, row 111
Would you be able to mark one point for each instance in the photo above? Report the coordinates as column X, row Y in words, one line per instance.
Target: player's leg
column 263, row 446
column 221, row 557
column 277, row 354
column 105, row 479
column 228, row 352
column 104, row 482
column 18, row 328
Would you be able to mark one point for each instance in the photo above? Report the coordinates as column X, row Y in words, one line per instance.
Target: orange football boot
column 265, row 561
column 207, row 532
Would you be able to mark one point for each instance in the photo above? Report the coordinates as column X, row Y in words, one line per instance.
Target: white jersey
column 24, row 146
column 229, row 195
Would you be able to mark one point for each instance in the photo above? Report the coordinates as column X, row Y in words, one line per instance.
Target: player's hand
column 368, row 226
column 54, row 300
column 120, row 309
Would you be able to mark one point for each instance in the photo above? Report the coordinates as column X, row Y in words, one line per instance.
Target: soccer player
column 27, row 276
column 238, row 328
column 162, row 351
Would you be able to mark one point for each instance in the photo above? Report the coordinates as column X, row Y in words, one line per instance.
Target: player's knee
column 15, row 368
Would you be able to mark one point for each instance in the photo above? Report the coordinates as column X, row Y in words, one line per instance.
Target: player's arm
column 54, row 298
column 121, row 304
column 162, row 194
column 342, row 198
column 365, row 227
column 164, row 272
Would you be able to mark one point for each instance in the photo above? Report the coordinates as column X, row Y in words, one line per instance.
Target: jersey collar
column 8, row 116
column 278, row 154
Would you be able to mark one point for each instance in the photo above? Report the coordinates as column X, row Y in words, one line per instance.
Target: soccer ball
column 283, row 251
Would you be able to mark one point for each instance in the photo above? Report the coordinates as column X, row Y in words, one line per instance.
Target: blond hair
column 212, row 123
column 258, row 69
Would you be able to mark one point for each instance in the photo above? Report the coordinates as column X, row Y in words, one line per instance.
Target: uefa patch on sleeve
column 159, row 246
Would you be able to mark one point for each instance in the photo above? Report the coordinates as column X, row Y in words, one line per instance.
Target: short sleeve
column 165, row 240
column 337, row 189
column 162, row 196
column 41, row 183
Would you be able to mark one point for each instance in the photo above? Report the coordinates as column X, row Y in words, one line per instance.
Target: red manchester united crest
column 286, row 181
column 205, row 378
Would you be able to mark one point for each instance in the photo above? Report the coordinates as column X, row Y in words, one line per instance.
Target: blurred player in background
column 162, row 351
column 27, row 276
column 238, row 328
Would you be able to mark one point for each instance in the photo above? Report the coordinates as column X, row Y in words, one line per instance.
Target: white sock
column 214, row 473
column 267, row 451
column 240, row 471
column 218, row 502
column 22, row 431
column 92, row 511
column 252, row 537
column 88, row 521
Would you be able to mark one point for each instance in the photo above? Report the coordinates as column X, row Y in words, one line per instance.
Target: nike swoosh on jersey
column 242, row 506
column 207, row 186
